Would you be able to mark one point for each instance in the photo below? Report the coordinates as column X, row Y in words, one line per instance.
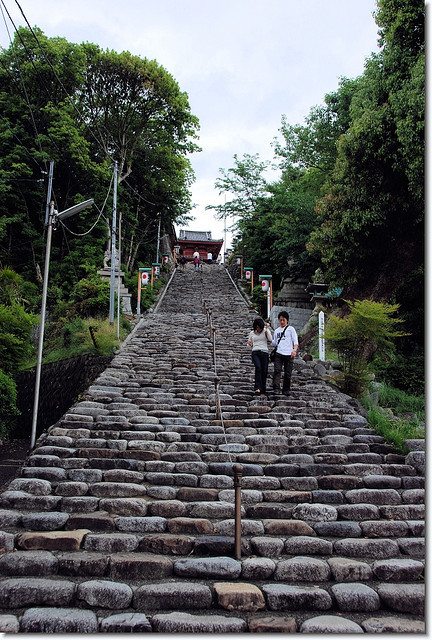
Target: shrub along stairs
column 122, row 517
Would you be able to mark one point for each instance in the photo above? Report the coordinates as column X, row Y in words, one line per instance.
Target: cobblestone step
column 122, row 518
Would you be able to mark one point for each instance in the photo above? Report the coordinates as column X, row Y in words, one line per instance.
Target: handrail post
column 237, row 468
column 218, row 406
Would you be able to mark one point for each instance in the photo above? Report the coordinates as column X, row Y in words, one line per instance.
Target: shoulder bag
column 273, row 353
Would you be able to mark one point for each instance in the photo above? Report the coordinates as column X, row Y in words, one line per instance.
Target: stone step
column 122, row 518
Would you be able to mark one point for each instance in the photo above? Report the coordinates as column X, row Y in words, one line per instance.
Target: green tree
column 83, row 108
column 245, row 182
column 371, row 216
column 359, row 337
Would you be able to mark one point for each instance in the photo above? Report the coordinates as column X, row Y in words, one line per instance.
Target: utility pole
column 158, row 238
column 52, row 218
column 48, row 224
column 113, row 248
column 118, row 279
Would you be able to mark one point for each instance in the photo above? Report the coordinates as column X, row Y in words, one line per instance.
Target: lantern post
column 239, row 261
column 266, row 284
column 165, row 257
column 143, row 280
column 249, row 276
column 155, row 271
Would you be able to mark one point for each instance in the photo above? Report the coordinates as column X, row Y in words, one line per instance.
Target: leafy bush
column 404, row 372
column 15, row 332
column 76, row 338
column 8, row 408
column 358, row 337
column 91, row 296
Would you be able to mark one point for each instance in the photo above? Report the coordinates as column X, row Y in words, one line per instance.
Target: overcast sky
column 243, row 63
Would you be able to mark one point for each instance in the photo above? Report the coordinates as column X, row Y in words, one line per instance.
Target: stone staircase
column 122, row 517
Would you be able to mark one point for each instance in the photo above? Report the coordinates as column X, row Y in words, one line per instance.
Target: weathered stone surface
column 172, row 595
column 338, row 529
column 167, row 509
column 211, row 510
column 384, row 529
column 105, row 594
column 270, row 510
column 272, row 624
column 315, row 512
column 79, row 504
column 329, row 624
column 22, row 592
column 111, row 542
column 9, row 624
column 124, row 506
column 208, row 567
column 287, row 598
column 9, row 518
column 417, row 459
column 188, row 623
column 398, row 569
column 248, row 527
column 414, row 547
column 53, row 540
column 57, row 620
column 126, row 623
column 36, row 486
column 302, row 569
column 355, row 597
column 353, row 547
column 192, row 494
column 267, row 547
column 239, row 596
column 393, row 624
column 6, row 541
column 258, row 568
column 323, row 495
column 149, row 524
column 409, row 598
column 347, row 570
column 21, row 500
column 82, row 564
column 288, row 528
column 167, row 544
column 99, row 521
column 28, row 563
column 308, row 545
column 189, row 525
column 132, row 567
column 373, row 496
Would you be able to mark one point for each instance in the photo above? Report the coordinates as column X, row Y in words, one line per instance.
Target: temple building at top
column 201, row 241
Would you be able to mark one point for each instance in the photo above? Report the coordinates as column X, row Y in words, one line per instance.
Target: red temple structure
column 201, row 241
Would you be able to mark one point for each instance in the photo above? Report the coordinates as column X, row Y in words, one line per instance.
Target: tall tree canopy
column 351, row 196
column 371, row 216
column 85, row 108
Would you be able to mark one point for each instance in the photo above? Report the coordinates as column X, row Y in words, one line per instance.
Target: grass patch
column 395, row 415
column 75, row 339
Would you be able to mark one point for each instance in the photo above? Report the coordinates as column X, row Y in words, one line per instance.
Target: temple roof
column 195, row 236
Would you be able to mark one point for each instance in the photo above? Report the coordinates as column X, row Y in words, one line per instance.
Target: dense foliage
column 85, row 108
column 350, row 200
column 369, row 329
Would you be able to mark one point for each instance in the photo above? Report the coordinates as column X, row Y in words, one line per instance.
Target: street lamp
column 53, row 217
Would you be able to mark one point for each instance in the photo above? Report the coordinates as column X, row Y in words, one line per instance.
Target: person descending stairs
column 122, row 518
